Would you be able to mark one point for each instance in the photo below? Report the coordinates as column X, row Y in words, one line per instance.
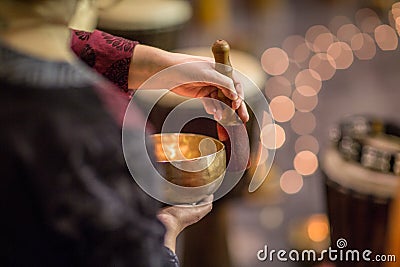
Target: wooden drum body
column 358, row 205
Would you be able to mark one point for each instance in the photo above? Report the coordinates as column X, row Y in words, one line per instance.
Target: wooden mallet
column 233, row 134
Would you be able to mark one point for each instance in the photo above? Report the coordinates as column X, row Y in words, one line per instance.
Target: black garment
column 66, row 195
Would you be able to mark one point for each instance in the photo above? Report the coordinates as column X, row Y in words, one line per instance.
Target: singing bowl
column 194, row 164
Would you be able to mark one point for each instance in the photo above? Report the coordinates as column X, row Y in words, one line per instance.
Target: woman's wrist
column 172, row 230
column 170, row 240
column 146, row 62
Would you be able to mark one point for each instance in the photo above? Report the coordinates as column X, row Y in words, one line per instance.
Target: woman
column 67, row 198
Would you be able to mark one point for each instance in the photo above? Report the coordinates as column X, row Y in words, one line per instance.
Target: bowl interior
column 178, row 147
column 194, row 165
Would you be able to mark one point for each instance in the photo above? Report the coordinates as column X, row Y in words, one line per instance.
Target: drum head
column 144, row 15
column 354, row 177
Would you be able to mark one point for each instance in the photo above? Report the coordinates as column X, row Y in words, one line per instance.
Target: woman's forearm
column 147, row 61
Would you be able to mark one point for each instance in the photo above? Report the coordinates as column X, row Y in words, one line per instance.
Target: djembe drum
column 393, row 236
column 361, row 172
column 152, row 22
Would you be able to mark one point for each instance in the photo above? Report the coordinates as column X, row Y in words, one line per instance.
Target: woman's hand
column 208, row 83
column 177, row 218
column 198, row 79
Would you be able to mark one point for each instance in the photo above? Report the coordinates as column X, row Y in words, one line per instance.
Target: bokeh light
column 312, row 33
column 397, row 22
column 318, row 227
column 386, row 38
column 282, row 108
column 367, row 19
column 306, row 142
column 303, row 123
column 276, row 86
column 306, row 90
column 304, row 103
column 342, row 54
column 363, row 46
column 305, row 162
column 364, row 13
column 291, row 43
column 296, row 48
column 308, row 82
column 267, row 136
column 301, row 53
column 347, row 32
column 291, row 182
column 324, row 64
column 274, row 61
column 292, row 71
column 394, row 15
column 323, row 41
column 369, row 24
column 306, row 62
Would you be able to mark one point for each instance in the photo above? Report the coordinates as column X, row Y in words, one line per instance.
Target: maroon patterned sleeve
column 107, row 54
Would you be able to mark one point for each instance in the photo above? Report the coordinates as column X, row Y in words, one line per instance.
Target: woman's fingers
column 215, row 107
column 236, row 103
column 243, row 113
column 227, row 86
column 212, row 105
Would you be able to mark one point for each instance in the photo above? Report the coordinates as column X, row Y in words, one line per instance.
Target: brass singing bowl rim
column 157, row 139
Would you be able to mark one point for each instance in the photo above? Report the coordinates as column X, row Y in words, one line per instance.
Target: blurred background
column 317, row 62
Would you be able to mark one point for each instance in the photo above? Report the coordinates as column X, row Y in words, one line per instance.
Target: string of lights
column 298, row 69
